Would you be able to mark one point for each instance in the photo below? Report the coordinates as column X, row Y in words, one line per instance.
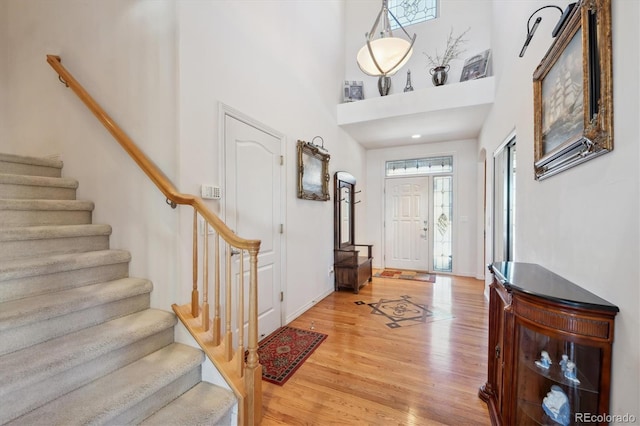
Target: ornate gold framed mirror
column 313, row 172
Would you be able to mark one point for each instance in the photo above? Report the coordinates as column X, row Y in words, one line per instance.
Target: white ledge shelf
column 450, row 112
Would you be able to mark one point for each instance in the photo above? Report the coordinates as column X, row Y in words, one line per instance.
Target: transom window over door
column 418, row 214
column 419, row 166
column 410, row 12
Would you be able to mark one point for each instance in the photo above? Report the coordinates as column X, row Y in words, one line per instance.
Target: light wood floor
column 366, row 373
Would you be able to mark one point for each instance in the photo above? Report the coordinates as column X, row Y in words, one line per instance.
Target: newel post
column 253, row 369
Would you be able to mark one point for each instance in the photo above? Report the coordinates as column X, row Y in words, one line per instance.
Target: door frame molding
column 224, row 111
column 454, row 234
column 510, row 139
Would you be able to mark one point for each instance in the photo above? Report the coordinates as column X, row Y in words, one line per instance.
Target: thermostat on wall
column 210, row 192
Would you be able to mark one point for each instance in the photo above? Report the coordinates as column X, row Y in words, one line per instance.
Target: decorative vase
column 439, row 75
column 384, row 84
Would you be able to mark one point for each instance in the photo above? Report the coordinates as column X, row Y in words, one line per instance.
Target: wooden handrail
column 148, row 167
column 244, row 377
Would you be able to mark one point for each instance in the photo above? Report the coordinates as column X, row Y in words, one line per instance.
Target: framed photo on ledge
column 353, row 91
column 476, row 66
column 572, row 93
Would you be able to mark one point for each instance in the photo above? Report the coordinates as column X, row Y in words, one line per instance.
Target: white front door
column 406, row 223
column 253, row 210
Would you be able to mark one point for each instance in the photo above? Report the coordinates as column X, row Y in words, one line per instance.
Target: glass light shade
column 387, row 51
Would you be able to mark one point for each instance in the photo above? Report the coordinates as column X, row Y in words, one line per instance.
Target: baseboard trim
column 307, row 306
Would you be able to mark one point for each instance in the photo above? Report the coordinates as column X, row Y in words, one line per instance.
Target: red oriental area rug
column 284, row 351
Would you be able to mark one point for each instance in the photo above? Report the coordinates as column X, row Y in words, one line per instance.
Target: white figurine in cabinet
column 563, row 363
column 544, row 361
column 570, row 372
column 556, row 405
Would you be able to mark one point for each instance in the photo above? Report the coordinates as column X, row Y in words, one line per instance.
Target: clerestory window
column 409, row 12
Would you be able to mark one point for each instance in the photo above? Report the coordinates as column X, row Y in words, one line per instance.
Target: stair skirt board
column 79, row 342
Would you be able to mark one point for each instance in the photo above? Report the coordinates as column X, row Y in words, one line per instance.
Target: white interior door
column 253, row 210
column 407, row 223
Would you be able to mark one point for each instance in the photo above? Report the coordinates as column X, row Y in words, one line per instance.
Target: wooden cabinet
column 549, row 351
column 353, row 267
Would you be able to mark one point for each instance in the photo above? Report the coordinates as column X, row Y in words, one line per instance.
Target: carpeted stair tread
column 37, row 187
column 34, row 212
column 17, row 313
column 32, row 320
column 47, row 205
column 105, row 399
column 105, row 266
column 34, row 161
column 34, row 241
column 20, row 268
column 53, row 231
column 26, row 165
column 27, row 180
column 79, row 343
column 27, row 367
column 196, row 407
column 36, row 375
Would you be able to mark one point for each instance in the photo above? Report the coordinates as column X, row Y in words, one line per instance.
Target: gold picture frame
column 313, row 172
column 572, row 92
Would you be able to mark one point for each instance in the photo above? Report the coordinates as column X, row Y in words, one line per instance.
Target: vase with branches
column 440, row 62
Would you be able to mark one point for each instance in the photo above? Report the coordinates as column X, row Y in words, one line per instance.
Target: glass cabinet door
column 557, row 380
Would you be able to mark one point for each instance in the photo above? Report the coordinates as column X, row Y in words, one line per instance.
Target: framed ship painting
column 572, row 92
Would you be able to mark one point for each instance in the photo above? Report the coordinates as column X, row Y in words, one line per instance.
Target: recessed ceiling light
column 415, row 136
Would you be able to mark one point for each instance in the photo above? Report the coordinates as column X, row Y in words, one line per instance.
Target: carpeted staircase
column 78, row 341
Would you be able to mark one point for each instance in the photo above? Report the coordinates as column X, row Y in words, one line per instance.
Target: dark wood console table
column 549, row 353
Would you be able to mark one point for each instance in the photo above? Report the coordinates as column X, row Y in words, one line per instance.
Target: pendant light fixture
column 385, row 55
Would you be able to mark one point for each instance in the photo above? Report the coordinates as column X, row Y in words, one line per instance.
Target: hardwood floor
column 368, row 373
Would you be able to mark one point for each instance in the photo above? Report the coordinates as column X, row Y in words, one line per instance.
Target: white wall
column 464, row 202
column 581, row 223
column 458, row 15
column 3, row 74
column 274, row 61
column 123, row 52
column 282, row 64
